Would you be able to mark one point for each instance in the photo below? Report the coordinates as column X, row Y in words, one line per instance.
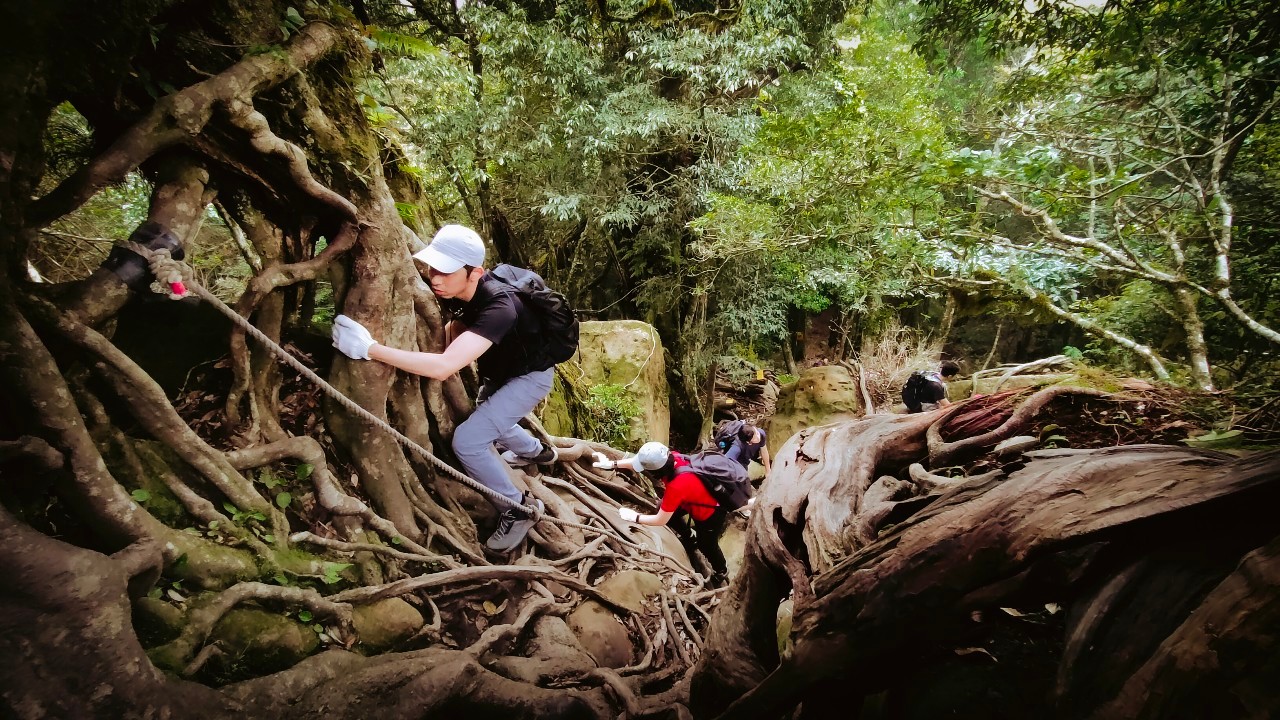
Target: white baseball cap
column 652, row 456
column 453, row 247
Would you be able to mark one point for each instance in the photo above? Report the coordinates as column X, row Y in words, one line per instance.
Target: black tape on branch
column 132, row 268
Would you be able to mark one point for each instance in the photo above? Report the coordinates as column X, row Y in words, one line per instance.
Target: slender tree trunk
column 948, row 318
column 1093, row 328
column 1193, row 329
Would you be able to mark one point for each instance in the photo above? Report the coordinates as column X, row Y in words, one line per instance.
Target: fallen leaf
column 974, row 651
column 1015, row 613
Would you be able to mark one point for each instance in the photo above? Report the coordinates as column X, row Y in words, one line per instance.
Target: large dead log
column 1105, row 532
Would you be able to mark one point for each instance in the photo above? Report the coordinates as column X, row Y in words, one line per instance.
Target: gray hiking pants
column 494, row 421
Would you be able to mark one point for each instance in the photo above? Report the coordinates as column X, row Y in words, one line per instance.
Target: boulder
column 553, row 652
column 821, row 395
column 663, row 540
column 630, row 588
column 601, row 634
column 785, row 609
column 733, row 542
column 384, row 623
column 618, row 352
column 256, row 642
column 156, row 621
column 962, row 389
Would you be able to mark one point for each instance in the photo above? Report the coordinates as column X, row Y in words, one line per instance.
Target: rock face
column 620, row 352
column 821, row 395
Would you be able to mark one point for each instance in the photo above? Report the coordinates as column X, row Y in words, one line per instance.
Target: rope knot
column 168, row 273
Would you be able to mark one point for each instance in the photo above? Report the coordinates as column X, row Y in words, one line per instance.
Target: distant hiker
column 927, row 389
column 705, row 486
column 743, row 443
column 500, row 324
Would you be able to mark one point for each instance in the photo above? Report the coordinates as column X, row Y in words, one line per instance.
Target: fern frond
column 401, row 45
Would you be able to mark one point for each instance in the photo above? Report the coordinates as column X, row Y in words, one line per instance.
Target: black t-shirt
column 496, row 313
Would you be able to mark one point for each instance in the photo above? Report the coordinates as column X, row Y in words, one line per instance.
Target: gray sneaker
column 545, row 456
column 513, row 525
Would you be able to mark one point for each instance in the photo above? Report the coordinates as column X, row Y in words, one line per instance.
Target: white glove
column 351, row 338
column 602, row 462
column 628, row 514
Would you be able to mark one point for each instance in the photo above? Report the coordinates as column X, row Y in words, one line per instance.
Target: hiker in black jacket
column 493, row 328
column 926, row 390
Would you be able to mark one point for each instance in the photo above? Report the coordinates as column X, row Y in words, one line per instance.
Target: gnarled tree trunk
column 1163, row 556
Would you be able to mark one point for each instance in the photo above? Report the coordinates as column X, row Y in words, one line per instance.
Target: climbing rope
column 173, row 278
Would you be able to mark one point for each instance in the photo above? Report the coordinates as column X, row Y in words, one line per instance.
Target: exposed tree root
column 201, row 619
column 927, row 550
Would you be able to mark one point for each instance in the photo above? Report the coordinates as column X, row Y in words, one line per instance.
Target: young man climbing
column 494, row 328
column 926, row 390
column 685, row 493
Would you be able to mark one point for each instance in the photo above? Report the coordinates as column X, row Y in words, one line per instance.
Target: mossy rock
column 156, row 622
column 256, row 642
column 384, row 623
column 986, row 385
column 630, row 588
column 626, row 353
column 819, row 396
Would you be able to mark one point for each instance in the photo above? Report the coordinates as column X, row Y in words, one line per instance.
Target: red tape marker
column 178, row 288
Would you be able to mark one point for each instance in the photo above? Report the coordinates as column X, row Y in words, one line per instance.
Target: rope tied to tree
column 174, row 278
column 167, row 271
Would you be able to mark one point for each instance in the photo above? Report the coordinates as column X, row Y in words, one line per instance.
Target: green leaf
column 305, row 616
column 396, row 540
column 1216, row 439
column 213, row 524
column 268, row 478
column 230, row 508
column 140, row 495
column 304, row 471
column 331, row 570
column 283, row 500
column 400, row 44
column 269, row 538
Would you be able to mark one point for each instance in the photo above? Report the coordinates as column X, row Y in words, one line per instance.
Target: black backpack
column 559, row 335
column 725, row 479
column 913, row 393
column 728, row 431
